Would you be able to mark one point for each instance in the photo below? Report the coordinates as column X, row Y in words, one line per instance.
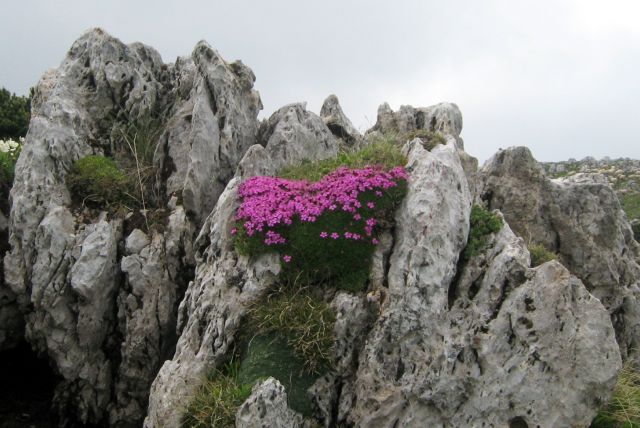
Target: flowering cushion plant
column 325, row 231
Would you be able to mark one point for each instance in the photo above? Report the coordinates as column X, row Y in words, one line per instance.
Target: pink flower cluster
column 268, row 202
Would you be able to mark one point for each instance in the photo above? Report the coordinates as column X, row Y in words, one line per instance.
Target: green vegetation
column 623, row 410
column 430, row 139
column 217, row 401
column 483, row 223
column 384, row 153
column 540, row 255
column 97, row 180
column 271, row 355
column 9, row 152
column 631, row 205
column 14, row 115
column 303, row 318
column 636, row 231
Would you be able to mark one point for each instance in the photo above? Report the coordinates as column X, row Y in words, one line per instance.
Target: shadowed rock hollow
column 132, row 318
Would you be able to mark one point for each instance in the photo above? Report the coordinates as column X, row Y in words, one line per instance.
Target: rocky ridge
column 132, row 319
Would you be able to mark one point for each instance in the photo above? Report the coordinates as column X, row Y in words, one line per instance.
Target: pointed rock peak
column 339, row 124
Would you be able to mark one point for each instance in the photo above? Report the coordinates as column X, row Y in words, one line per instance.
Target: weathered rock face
column 579, row 217
column 226, row 283
column 444, row 117
column 101, row 309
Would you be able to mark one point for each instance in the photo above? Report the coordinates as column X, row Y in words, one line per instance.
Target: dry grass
column 305, row 320
column 623, row 410
column 217, row 401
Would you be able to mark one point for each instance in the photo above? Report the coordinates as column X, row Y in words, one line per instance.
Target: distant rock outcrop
column 579, row 217
column 134, row 307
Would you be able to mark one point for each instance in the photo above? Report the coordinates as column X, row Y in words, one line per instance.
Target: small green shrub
column 482, row 224
column 305, row 320
column 383, row 153
column 97, row 180
column 540, row 255
column 623, row 410
column 636, row 231
column 217, row 401
column 15, row 112
column 271, row 355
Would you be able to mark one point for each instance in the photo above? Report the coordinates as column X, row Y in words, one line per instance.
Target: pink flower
column 371, row 205
column 323, row 235
column 374, row 241
column 335, row 235
column 357, row 217
column 234, row 231
column 286, row 258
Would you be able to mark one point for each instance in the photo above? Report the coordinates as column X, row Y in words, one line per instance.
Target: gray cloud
column 557, row 76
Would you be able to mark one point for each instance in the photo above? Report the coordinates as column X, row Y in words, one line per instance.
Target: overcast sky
column 561, row 77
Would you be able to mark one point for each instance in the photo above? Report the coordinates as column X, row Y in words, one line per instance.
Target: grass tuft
column 383, row 153
column 303, row 318
column 623, row 410
column 97, row 180
column 540, row 254
column 217, row 401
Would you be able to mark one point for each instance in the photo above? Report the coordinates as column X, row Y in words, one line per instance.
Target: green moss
column 623, row 410
column 97, row 180
column 271, row 355
column 384, row 153
column 482, row 224
column 540, row 255
column 303, row 318
column 216, row 402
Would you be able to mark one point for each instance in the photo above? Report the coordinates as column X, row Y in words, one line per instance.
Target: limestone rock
column 209, row 131
column 444, row 118
column 136, row 241
column 484, row 344
column 292, row 134
column 107, row 322
column 339, row 124
column 579, row 217
column 267, row 408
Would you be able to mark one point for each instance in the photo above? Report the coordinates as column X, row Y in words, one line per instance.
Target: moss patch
column 303, row 318
column 271, row 355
